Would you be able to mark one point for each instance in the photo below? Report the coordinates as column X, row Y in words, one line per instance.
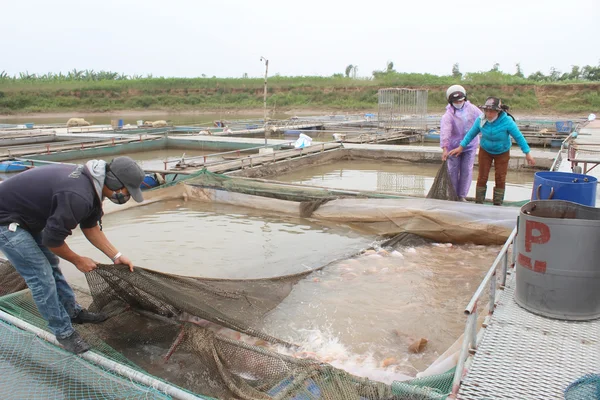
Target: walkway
column 526, row 356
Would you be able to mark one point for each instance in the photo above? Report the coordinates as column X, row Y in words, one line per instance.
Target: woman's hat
column 492, row 103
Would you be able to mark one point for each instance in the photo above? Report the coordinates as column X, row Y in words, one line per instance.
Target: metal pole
column 265, row 95
column 464, row 351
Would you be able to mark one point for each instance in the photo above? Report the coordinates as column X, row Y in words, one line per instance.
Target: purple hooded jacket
column 456, row 123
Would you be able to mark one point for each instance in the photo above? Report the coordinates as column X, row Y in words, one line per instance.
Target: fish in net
column 146, row 309
column 442, row 188
column 158, row 325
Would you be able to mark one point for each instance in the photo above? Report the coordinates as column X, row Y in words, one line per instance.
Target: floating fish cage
column 402, row 108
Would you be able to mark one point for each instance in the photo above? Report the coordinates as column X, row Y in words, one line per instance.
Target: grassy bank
column 37, row 95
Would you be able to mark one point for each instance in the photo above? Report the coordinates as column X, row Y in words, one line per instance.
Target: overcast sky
column 227, row 37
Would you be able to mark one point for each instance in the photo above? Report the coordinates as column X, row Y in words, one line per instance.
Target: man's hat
column 129, row 174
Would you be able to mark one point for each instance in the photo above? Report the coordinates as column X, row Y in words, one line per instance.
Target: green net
column 584, row 388
column 31, row 368
column 436, row 387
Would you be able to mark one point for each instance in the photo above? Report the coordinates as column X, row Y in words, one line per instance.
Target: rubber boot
column 480, row 194
column 498, row 196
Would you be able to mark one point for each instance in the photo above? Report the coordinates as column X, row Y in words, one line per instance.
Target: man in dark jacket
column 39, row 208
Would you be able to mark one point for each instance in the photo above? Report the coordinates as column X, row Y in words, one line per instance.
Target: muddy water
column 154, row 159
column 402, row 178
column 360, row 313
column 217, row 241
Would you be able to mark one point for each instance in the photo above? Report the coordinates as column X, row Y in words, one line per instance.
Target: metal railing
column 471, row 337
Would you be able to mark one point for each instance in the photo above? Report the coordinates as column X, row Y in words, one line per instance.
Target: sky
column 226, row 38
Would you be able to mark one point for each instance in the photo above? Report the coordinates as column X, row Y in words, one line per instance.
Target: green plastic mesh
column 436, row 387
column 257, row 187
column 21, row 305
column 31, row 368
column 584, row 388
column 310, row 198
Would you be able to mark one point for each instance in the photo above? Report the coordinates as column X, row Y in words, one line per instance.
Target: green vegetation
column 576, row 91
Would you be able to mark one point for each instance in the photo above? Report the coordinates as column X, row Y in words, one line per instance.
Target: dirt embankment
column 539, row 99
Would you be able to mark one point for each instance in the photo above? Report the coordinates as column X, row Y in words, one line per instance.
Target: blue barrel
column 149, row 182
column 121, row 124
column 577, row 188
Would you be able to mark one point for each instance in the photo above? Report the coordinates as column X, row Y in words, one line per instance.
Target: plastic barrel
column 149, row 182
column 577, row 188
column 558, row 248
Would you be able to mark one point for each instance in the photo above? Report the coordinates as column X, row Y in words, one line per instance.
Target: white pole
column 104, row 362
column 265, row 96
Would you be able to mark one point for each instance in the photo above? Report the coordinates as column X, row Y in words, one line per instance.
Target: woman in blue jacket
column 496, row 130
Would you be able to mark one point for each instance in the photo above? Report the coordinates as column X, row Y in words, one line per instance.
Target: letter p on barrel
column 535, row 233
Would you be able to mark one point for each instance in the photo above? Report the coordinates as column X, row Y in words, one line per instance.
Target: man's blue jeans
column 52, row 294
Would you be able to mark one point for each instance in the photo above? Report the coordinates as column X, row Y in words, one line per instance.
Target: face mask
column 458, row 106
column 119, row 198
column 492, row 119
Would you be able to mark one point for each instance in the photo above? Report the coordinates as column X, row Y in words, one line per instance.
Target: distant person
column 459, row 117
column 496, row 130
column 39, row 209
column 505, row 108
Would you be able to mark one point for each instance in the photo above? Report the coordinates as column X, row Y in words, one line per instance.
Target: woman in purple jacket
column 456, row 122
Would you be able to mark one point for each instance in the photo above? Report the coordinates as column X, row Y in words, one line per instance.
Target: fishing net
column 10, row 280
column 405, row 239
column 436, row 387
column 31, row 368
column 584, row 388
column 442, row 188
column 370, row 212
column 199, row 334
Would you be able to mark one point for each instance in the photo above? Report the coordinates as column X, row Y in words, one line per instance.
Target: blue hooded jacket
column 495, row 136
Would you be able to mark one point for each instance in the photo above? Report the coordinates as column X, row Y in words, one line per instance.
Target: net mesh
column 585, row 388
column 10, row 280
column 31, row 368
column 442, row 188
column 432, row 387
column 172, row 327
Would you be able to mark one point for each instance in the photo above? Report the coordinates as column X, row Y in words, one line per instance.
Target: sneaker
column 86, row 317
column 74, row 343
